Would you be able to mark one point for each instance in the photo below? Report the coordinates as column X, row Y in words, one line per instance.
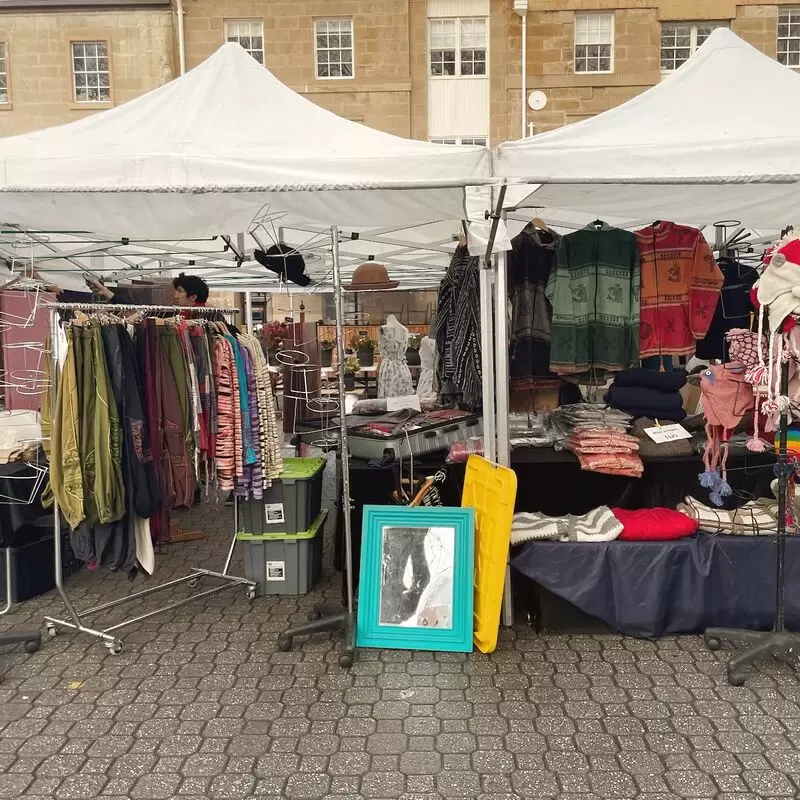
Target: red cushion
column 654, row 524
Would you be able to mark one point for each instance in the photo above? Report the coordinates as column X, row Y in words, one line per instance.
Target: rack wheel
column 314, row 615
column 52, row 631
column 712, row 643
column 193, row 583
column 32, row 647
column 115, row 647
column 251, row 592
column 346, row 659
column 285, row 644
column 735, row 678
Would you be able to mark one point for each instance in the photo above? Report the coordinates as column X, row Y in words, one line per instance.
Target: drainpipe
column 181, row 37
column 521, row 9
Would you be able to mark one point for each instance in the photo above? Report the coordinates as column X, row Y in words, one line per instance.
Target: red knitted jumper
column 681, row 284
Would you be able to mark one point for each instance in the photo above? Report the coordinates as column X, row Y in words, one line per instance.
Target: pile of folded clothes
column 644, row 392
column 598, row 436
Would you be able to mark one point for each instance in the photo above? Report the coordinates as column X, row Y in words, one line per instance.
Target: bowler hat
column 370, row 276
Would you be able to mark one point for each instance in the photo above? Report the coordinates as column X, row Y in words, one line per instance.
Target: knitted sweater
column 681, row 283
column 594, row 292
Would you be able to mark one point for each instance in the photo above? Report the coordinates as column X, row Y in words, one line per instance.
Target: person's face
column 183, row 299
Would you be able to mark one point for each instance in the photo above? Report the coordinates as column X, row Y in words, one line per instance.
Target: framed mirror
column 416, row 580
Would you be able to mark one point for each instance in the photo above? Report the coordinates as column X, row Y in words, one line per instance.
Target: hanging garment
column 681, row 283
column 227, row 435
column 427, row 354
column 733, row 309
column 394, row 376
column 530, row 263
column 61, row 441
column 458, row 333
column 594, row 293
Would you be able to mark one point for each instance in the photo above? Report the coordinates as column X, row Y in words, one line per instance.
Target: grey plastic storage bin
column 284, row 564
column 293, row 502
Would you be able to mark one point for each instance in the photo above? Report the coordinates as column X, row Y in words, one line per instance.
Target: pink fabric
column 23, row 365
column 613, row 464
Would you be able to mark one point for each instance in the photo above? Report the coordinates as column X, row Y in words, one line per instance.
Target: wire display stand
column 75, row 622
column 778, row 641
column 325, row 619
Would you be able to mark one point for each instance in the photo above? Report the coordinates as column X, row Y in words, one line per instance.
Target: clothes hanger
column 539, row 223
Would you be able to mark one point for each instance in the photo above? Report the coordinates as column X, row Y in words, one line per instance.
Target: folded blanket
column 758, row 517
column 634, row 397
column 599, row 525
column 654, row 524
column 650, row 379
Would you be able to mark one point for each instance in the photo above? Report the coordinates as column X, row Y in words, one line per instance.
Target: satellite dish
column 537, row 100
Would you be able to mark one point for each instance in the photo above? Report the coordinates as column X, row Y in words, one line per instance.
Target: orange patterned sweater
column 681, row 284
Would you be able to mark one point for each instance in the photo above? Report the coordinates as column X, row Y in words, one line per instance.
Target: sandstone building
column 446, row 70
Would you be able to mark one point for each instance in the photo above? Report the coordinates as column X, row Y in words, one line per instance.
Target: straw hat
column 370, row 277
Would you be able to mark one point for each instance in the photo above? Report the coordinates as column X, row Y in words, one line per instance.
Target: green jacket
column 594, row 293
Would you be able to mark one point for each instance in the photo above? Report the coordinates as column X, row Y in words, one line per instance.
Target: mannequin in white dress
column 427, row 352
column 394, row 376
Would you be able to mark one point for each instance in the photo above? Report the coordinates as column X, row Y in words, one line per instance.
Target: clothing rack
column 778, row 641
column 75, row 621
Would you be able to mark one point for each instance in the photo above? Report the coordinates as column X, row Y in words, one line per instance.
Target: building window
column 249, row 34
column 594, row 43
column 334, row 48
column 3, row 73
column 91, row 77
column 469, row 140
column 458, row 46
column 789, row 37
column 680, row 40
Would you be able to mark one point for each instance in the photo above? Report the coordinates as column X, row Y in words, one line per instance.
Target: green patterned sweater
column 594, row 293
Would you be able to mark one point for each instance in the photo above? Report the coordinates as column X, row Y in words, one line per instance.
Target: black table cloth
column 651, row 589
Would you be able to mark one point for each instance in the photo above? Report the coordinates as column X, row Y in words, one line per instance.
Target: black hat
column 286, row 261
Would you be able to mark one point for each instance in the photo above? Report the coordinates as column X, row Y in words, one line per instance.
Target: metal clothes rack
column 778, row 641
column 75, row 621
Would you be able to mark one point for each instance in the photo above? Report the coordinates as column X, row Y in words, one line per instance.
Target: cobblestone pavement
column 200, row 705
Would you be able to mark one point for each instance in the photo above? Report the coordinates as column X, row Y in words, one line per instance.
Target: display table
column 653, row 589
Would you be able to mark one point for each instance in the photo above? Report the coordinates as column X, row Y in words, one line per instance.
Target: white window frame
column 243, row 31
column 459, row 24
column 482, row 141
column 599, row 18
column 318, row 23
column 5, row 94
column 789, row 26
column 96, row 56
column 693, row 31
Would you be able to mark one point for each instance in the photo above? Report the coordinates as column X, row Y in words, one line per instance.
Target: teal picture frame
column 388, row 587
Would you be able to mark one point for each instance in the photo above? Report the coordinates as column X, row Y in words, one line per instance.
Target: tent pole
column 248, row 312
column 501, row 401
column 344, row 453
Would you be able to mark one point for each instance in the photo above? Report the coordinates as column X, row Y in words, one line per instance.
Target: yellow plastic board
column 492, row 491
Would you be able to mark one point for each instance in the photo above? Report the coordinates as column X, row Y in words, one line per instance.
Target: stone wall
column 39, row 64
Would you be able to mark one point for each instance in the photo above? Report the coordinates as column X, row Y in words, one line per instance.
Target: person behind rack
column 190, row 291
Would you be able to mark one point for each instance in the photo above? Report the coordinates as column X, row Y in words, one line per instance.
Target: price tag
column 667, row 433
column 402, row 403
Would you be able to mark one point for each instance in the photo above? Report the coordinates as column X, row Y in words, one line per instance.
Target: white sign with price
column 661, row 434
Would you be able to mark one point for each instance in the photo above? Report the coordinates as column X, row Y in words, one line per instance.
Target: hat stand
column 778, row 641
column 344, row 620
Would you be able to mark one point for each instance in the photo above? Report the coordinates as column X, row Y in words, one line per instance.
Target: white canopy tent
column 717, row 139
column 225, row 151
column 215, row 149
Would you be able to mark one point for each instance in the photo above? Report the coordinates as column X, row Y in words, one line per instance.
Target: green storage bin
column 282, row 563
column 293, row 502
